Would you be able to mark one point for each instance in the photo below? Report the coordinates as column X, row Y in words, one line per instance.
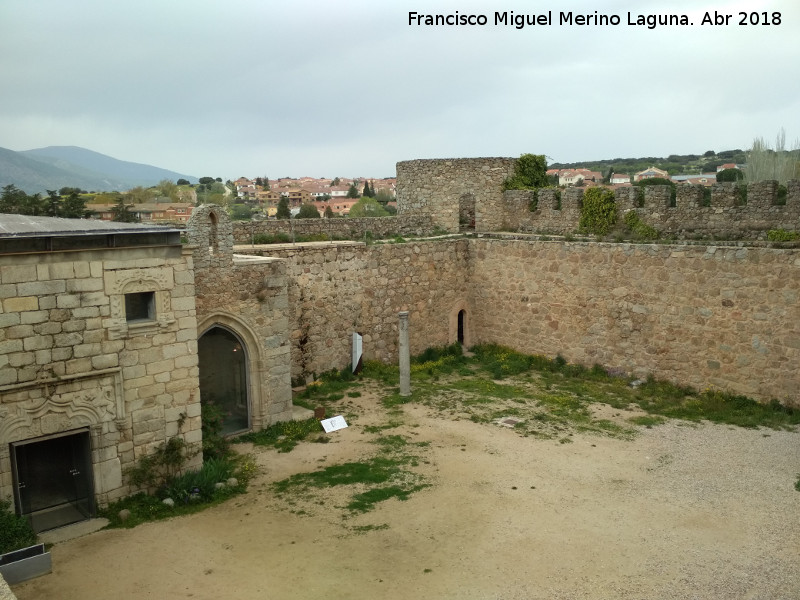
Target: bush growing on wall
column 530, row 172
column 599, row 211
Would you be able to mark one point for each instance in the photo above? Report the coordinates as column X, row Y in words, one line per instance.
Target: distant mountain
column 55, row 167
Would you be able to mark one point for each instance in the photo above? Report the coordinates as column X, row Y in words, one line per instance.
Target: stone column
column 405, row 360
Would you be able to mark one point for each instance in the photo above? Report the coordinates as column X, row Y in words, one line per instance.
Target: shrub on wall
column 781, row 235
column 530, row 172
column 639, row 228
column 741, row 195
column 599, row 211
column 780, row 199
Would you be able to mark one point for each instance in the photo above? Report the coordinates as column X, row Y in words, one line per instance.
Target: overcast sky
column 348, row 88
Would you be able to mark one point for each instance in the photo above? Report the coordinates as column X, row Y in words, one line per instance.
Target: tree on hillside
column 367, row 207
column 530, row 172
column 183, row 182
column 336, row 181
column 206, row 180
column 328, row 212
column 283, row 209
column 353, row 191
column 168, row 189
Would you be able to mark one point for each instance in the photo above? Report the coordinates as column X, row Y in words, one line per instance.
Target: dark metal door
column 53, row 479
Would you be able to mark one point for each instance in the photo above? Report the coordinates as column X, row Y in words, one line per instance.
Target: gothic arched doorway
column 223, row 378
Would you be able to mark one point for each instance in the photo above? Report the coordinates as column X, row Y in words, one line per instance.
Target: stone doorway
column 53, row 479
column 223, row 378
column 466, row 212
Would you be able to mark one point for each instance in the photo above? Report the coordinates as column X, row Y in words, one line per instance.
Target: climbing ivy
column 599, row 211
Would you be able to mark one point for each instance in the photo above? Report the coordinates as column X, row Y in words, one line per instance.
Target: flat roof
column 28, row 226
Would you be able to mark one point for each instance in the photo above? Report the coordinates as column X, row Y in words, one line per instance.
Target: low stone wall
column 336, row 228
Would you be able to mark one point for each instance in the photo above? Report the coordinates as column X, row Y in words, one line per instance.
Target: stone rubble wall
column 558, row 210
column 337, row 289
column 336, row 228
column 435, row 188
column 705, row 316
column 69, row 359
column 698, row 315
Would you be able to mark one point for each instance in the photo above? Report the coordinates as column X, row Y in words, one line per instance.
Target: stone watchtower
column 455, row 193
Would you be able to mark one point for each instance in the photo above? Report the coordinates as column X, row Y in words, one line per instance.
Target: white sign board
column 334, row 423
column 357, row 352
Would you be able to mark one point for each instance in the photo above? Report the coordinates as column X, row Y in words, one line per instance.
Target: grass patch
column 191, row 492
column 648, row 421
column 284, row 435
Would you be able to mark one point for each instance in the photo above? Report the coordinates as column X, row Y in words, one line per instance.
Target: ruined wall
column 247, row 296
column 336, row 228
column 69, row 358
column 435, row 188
column 726, row 216
column 344, row 287
column 704, row 316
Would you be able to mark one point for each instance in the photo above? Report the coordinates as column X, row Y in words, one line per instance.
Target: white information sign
column 357, row 352
column 334, row 423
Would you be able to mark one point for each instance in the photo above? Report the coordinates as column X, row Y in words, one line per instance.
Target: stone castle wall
column 69, row 359
column 244, row 232
column 336, row 289
column 704, row 316
column 726, row 217
column 444, row 189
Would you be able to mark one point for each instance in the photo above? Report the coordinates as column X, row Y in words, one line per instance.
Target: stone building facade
column 98, row 359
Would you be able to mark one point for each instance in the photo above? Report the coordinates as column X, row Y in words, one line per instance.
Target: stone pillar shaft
column 405, row 359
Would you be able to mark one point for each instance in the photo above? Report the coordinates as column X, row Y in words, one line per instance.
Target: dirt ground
column 681, row 511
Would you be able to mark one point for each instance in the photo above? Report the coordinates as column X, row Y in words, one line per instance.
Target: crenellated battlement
column 468, row 193
column 725, row 209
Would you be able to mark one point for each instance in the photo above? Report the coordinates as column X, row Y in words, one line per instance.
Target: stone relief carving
column 30, row 417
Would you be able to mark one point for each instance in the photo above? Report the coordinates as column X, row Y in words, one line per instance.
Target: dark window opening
column 140, row 306
column 461, row 316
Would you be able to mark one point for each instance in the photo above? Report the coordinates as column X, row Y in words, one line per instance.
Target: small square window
column 140, row 306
